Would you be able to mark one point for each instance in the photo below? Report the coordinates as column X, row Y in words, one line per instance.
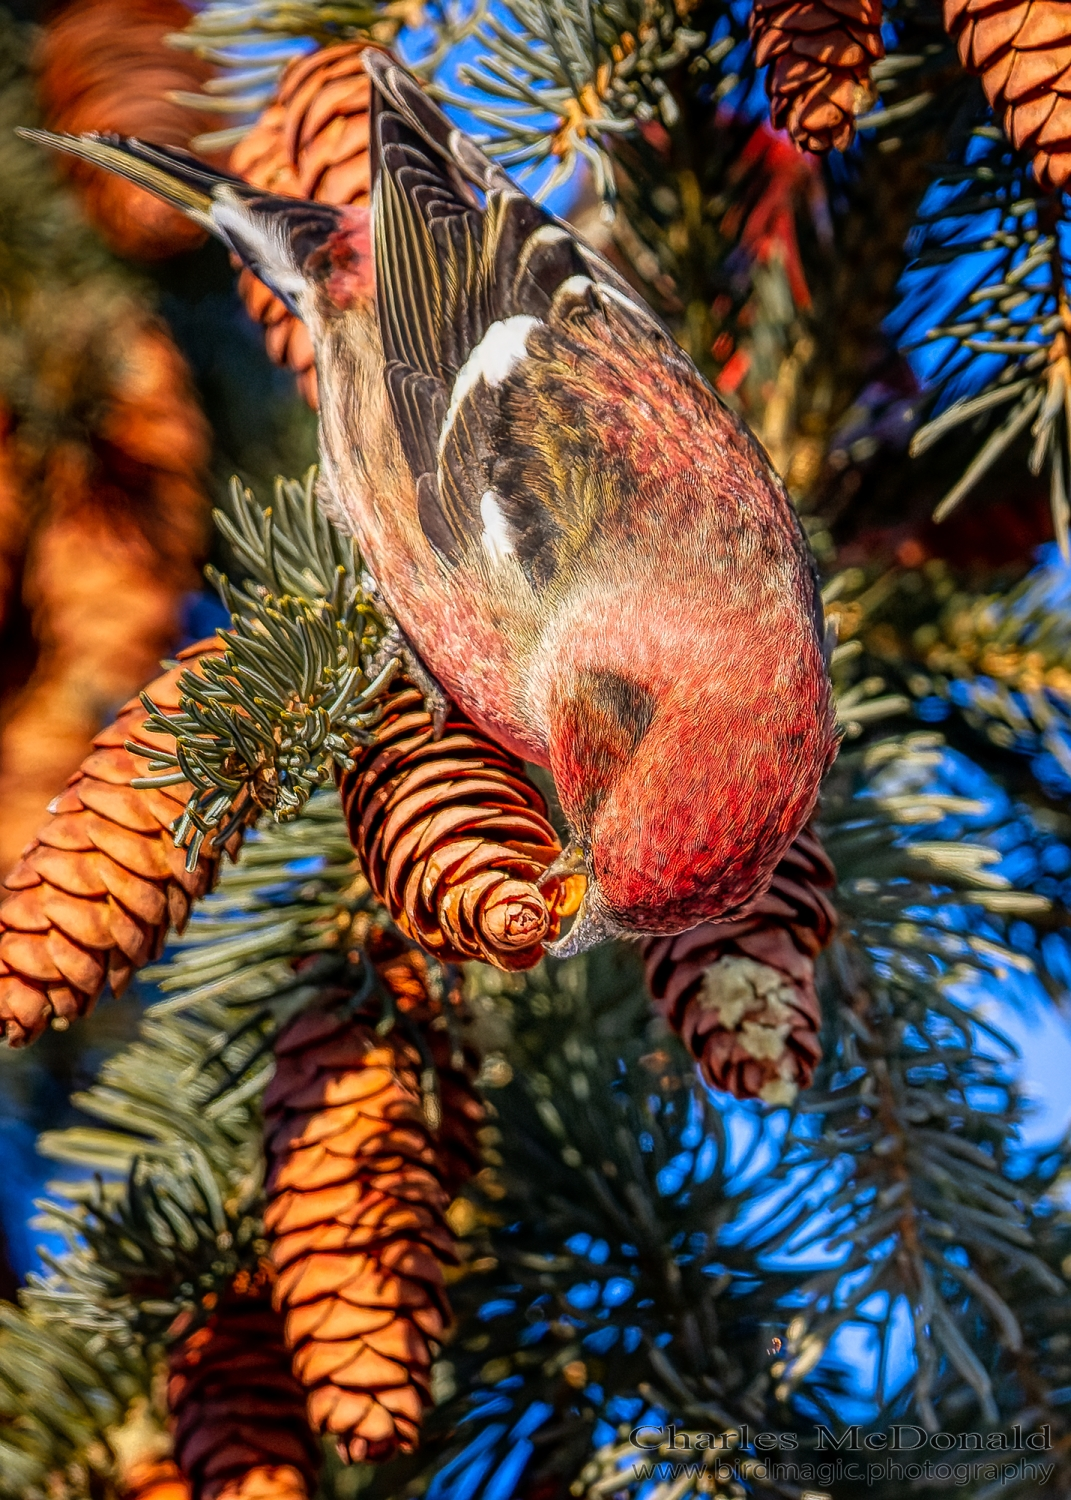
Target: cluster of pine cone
column 336, row 1332
column 103, row 525
column 820, row 53
column 103, row 447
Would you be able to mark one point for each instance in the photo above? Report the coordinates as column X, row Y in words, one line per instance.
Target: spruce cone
column 820, row 54
column 238, row 1413
column 1021, row 49
column 357, row 1189
column 453, row 838
column 160, row 1479
column 741, row 993
column 312, row 142
column 112, row 533
column 94, row 895
column 105, row 65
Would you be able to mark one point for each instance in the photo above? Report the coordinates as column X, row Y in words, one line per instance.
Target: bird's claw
column 396, row 645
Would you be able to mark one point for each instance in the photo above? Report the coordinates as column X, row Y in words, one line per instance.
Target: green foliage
column 294, row 691
column 1012, row 313
column 251, row 44
column 598, row 72
column 925, row 1116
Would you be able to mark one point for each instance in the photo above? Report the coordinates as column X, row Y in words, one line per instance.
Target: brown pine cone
column 105, row 65
column 113, row 531
column 157, row 1479
column 94, row 895
column 453, row 837
column 357, row 1188
column 402, row 971
column 237, row 1411
column 741, row 993
column 312, row 142
column 820, row 54
column 1021, row 49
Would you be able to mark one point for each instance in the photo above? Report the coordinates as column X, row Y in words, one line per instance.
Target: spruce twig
column 292, row 694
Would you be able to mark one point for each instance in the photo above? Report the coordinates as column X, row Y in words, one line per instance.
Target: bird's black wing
column 479, row 296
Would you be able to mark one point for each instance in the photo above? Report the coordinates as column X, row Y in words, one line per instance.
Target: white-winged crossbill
column 586, row 549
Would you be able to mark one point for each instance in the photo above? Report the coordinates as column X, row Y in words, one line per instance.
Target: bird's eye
column 602, row 717
column 624, row 707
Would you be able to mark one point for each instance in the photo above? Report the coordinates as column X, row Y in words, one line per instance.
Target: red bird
column 584, row 547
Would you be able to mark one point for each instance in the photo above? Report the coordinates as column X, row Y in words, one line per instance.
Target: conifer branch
column 294, row 690
column 565, row 77
column 1000, row 353
column 610, row 1145
column 909, row 1059
column 251, row 42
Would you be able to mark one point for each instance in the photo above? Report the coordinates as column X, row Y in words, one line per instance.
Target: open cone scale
column 237, row 1411
column 741, row 993
column 1021, row 50
column 819, row 54
column 358, row 1185
column 95, row 894
column 454, row 838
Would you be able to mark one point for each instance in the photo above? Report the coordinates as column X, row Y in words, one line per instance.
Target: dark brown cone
column 741, row 993
column 312, row 142
column 1021, row 50
column 94, row 895
column 453, row 838
column 820, row 53
column 237, row 1411
column 358, row 1185
column 105, row 65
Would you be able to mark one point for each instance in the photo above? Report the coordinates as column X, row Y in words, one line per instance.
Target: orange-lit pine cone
column 118, row 530
column 1021, row 49
column 94, row 895
column 357, row 1187
column 820, row 54
column 453, row 837
column 741, row 993
column 105, row 65
column 312, row 142
column 402, row 970
column 237, row 1411
column 158, row 1479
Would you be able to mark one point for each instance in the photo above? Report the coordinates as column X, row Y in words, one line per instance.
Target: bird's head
column 685, row 778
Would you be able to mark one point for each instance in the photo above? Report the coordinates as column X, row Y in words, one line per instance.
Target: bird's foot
column 396, row 646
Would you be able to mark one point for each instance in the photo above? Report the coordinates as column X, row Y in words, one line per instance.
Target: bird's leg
column 396, row 645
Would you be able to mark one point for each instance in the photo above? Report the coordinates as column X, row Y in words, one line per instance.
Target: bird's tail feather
column 272, row 235
column 174, row 175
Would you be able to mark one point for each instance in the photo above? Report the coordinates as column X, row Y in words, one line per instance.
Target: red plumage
column 584, row 546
